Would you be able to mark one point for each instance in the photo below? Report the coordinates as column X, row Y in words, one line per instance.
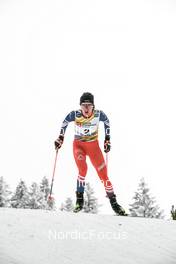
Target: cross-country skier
column 86, row 144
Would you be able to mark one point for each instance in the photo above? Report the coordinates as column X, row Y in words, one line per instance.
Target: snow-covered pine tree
column 67, row 205
column 4, row 193
column 144, row 205
column 90, row 201
column 36, row 197
column 44, row 187
column 20, row 198
column 173, row 213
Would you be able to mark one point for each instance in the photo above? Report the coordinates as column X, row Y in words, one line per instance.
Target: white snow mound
column 45, row 237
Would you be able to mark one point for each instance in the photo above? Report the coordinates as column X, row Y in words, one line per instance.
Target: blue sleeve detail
column 105, row 120
column 69, row 118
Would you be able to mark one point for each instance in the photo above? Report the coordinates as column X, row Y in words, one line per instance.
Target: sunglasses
column 87, row 105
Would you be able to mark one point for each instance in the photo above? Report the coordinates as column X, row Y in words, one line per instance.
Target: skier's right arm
column 69, row 118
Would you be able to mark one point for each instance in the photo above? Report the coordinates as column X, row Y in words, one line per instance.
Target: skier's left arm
column 105, row 120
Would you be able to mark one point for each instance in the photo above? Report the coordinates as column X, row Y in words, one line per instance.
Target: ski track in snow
column 36, row 237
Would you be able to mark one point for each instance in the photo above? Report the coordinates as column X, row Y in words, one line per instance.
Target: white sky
column 121, row 51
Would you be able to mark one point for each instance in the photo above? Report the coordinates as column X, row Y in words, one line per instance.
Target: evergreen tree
column 173, row 213
column 20, row 198
column 90, row 201
column 144, row 205
column 67, row 205
column 44, row 187
column 36, row 197
column 4, row 193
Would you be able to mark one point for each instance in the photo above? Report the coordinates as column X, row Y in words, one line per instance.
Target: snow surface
column 45, row 237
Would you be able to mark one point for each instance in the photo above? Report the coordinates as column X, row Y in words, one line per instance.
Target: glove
column 58, row 142
column 107, row 145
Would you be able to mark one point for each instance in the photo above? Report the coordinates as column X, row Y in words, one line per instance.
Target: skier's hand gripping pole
column 107, row 145
column 58, row 142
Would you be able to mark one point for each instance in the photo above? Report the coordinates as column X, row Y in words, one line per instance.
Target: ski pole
column 51, row 188
column 107, row 161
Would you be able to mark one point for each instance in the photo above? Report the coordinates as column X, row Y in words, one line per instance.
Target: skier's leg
column 97, row 159
column 80, row 159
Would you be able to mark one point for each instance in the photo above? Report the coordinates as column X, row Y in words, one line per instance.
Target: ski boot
column 79, row 202
column 116, row 207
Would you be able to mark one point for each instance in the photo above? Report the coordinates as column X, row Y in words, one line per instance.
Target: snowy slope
column 42, row 237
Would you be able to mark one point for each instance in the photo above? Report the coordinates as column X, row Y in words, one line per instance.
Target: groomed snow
column 45, row 237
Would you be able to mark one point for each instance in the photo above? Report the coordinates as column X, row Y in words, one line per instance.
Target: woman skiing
column 86, row 144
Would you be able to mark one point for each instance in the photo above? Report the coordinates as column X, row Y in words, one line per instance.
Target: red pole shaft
column 54, row 169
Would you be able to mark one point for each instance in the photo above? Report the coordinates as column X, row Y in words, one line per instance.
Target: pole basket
column 50, row 198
